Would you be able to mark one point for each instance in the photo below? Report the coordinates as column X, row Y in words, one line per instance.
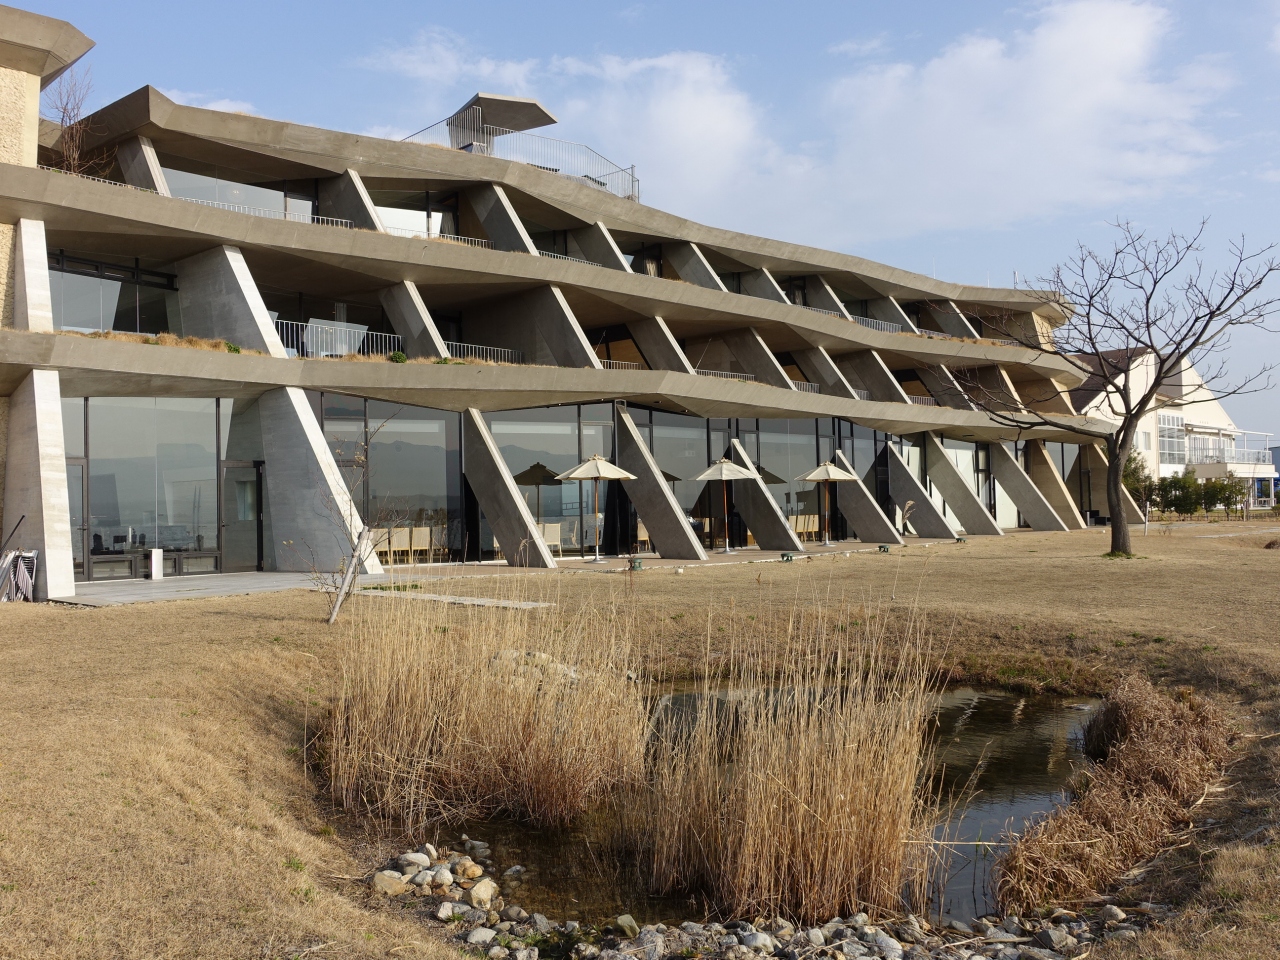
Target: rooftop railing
column 829, row 313
column 562, row 256
column 467, row 131
column 724, row 374
column 314, row 340
column 476, row 351
column 804, row 386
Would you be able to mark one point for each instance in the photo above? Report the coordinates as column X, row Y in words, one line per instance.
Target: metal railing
column 922, row 401
column 85, row 176
column 1003, row 343
column 467, row 131
column 620, row 365
column 882, row 325
column 446, row 237
column 316, row 340
column 475, row 351
column 562, row 256
column 936, row 334
column 1228, row 455
column 861, row 394
column 829, row 313
column 805, row 386
column 724, row 374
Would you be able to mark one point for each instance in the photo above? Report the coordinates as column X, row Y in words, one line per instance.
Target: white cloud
column 859, row 48
column 210, row 102
column 442, row 58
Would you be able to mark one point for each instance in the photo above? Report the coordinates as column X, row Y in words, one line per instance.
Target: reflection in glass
column 538, row 444
column 75, row 501
column 788, row 448
column 73, row 426
column 122, row 475
column 186, row 471
column 680, row 448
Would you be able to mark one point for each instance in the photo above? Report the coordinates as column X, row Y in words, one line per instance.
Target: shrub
column 232, row 348
column 398, row 356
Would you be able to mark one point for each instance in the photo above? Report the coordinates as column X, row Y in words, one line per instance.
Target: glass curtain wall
column 789, row 448
column 224, row 186
column 536, row 445
column 94, row 296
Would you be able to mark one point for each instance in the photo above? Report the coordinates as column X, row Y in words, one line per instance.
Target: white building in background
column 1190, row 427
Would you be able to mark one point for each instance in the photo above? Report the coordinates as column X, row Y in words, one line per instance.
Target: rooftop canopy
column 509, row 113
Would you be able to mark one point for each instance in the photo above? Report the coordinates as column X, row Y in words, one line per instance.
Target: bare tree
column 64, row 105
column 1135, row 318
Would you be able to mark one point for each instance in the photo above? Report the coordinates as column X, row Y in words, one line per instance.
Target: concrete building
column 197, row 327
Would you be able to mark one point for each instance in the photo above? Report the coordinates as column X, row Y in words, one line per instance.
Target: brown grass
column 1158, row 756
column 162, row 340
column 448, row 713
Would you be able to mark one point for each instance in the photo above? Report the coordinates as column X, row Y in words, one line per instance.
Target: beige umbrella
column 596, row 468
column 725, row 470
column 826, row 473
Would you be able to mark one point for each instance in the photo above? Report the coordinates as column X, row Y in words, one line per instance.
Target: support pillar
column 691, row 265
column 345, row 198
column 759, row 510
column 860, row 509
column 760, row 284
column 756, row 358
column 959, row 496
column 412, row 321
column 1026, row 496
column 888, row 310
column 870, row 369
column 925, row 518
column 499, row 219
column 140, row 165
column 816, row 364
column 220, row 301
column 820, row 295
column 656, row 505
column 513, row 525
column 1044, row 474
column 1094, row 459
column 32, row 297
column 944, row 388
column 596, row 244
column 653, row 337
column 949, row 317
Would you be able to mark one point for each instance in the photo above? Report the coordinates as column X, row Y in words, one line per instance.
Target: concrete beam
column 140, row 165
column 412, row 321
column 991, row 389
column 596, row 244
column 1026, row 496
column 823, row 297
column 1094, row 458
column 818, row 367
column 653, row 337
column 949, row 317
column 869, row 368
column 35, row 483
column 760, row 284
column 1045, row 395
column 499, row 219
column 914, row 501
column 345, row 198
column 944, row 388
column 314, row 521
column 758, row 509
column 888, row 310
column 32, row 298
column 691, row 265
column 1044, row 474
column 554, row 320
column 860, row 509
column 669, row 531
column 959, row 496
column 509, row 518
column 220, row 301
column 750, row 350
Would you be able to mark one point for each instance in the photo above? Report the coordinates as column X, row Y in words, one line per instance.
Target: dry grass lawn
column 154, row 800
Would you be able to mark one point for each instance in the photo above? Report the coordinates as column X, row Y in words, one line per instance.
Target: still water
column 1016, row 754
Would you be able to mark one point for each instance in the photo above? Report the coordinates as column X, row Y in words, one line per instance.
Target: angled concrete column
column 756, row 358
column 220, row 301
column 669, row 531
column 758, row 509
column 818, row 367
column 554, row 319
column 887, row 310
column 499, row 218
column 1026, row 496
column 140, row 165
column 944, row 388
column 35, row 483
column 32, row 298
column 596, row 244
column 925, row 517
column 822, row 296
column 509, row 518
column 314, row 521
column 345, row 198
column 1044, row 474
column 948, row 316
column 860, row 509
column 412, row 321
column 691, row 265
column 1093, row 457
column 760, row 283
column 868, row 367
column 959, row 496
column 1045, row 395
column 653, row 337
column 991, row 388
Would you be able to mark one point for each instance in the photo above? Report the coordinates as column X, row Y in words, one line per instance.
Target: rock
column 1052, row 938
column 627, row 924
column 442, row 877
column 430, row 851
column 515, row 914
column 1008, row 953
column 655, row 946
column 815, row 936
column 472, row 915
column 481, row 895
column 1012, row 925
column 996, row 935
column 888, row 946
column 858, row 920
column 413, row 859
column 542, row 924
column 481, row 935
column 1111, row 913
column 959, row 926
column 1038, row 953
column 692, row 929
column 498, row 953
column 572, row 926
column 852, row 948
column 467, row 870
column 504, row 926
column 422, row 878
column 757, row 941
column 445, row 911
column 526, row 953
column 739, row 952
column 388, row 882
column 1122, row 935
column 514, row 871
column 585, row 951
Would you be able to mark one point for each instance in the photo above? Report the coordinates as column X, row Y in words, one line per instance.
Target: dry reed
column 1159, row 754
column 798, row 790
column 447, row 713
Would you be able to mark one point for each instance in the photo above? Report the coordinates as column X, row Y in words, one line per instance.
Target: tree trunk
column 1120, row 542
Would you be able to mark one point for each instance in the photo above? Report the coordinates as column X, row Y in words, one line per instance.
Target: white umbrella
column 596, row 468
column 826, row 473
column 725, row 470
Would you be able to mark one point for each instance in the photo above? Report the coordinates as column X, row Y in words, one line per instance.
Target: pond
column 1016, row 752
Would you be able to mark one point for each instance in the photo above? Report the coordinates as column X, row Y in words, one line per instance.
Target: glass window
column 344, row 426
column 1172, row 438
column 186, row 474
column 122, row 475
column 789, row 448
column 680, row 449
column 538, row 444
column 413, row 468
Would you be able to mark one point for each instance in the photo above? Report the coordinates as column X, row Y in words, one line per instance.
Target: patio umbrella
column 725, row 470
column 826, row 473
column 537, row 475
column 596, row 468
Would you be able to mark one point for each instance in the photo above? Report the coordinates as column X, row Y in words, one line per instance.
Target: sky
column 977, row 142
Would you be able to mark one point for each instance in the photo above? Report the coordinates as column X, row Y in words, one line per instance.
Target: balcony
column 316, row 341
column 1229, row 455
column 475, row 351
column 805, row 387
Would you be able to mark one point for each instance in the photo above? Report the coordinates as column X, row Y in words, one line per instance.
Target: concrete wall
column 345, row 198
column 655, row 504
column 758, row 509
column 19, row 117
column 595, row 243
column 869, row 369
column 509, row 517
column 923, row 516
column 539, row 323
column 220, row 301
column 1026, row 496
column 818, row 367
column 32, row 298
column 949, row 318
column 888, row 310
column 1044, row 474
column 760, row 283
column 412, row 321
column 36, row 482
column 756, row 358
column 944, row 388
column 660, row 349
column 959, row 496
column 140, row 165
column 691, row 265
column 498, row 218
column 860, row 509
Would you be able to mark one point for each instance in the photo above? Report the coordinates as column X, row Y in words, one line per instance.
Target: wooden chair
column 381, row 539
column 642, row 536
column 420, row 544
column 400, row 552
column 551, row 537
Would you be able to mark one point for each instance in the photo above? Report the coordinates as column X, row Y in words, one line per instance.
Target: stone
column 513, row 871
column 503, row 926
column 959, row 926
column 852, row 948
column 739, row 952
column 815, row 936
column 445, row 911
column 1038, row 953
column 481, row 895
column 692, row 929
column 515, row 914
column 572, row 926
column 996, row 935
column 498, row 953
column 1053, row 938
column 585, row 951
column 761, row 942
column 1122, row 935
column 1111, row 913
column 473, row 871
column 526, row 953
column 421, row 879
column 481, row 935
column 889, row 947
column 430, row 851
column 1013, row 925
column 413, row 859
column 442, row 877
column 542, row 924
column 472, row 915
column 627, row 924
column 389, row 883
column 859, row 920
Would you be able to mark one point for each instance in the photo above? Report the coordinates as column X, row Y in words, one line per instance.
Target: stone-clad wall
column 4, row 454
column 19, row 140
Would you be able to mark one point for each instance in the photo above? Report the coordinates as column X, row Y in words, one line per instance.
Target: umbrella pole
column 595, row 487
column 724, row 493
column 826, row 518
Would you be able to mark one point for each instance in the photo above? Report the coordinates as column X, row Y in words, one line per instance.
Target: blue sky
column 963, row 140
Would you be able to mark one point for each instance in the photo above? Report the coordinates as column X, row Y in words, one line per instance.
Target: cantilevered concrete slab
column 509, row 518
column 35, row 483
column 659, row 347
column 509, row 113
column 140, row 165
column 860, row 509
column 344, row 197
column 32, row 298
column 1044, row 474
column 918, row 508
column 595, row 243
column 750, row 350
column 692, row 265
column 220, row 301
column 1026, row 496
column 540, row 323
column 758, row 509
column 412, row 321
column 657, row 507
column 957, row 493
column 821, row 295
column 40, row 46
column 499, row 219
